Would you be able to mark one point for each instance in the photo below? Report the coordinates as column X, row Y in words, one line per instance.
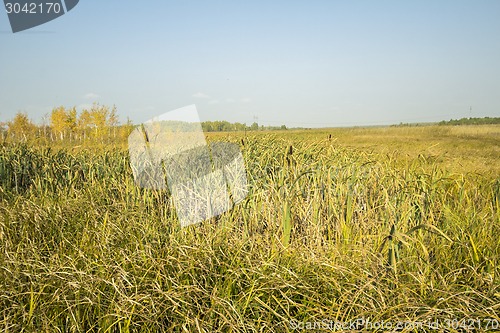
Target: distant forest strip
column 225, row 126
column 472, row 121
column 99, row 123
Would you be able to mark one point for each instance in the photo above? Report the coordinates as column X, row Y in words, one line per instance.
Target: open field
column 458, row 149
column 396, row 224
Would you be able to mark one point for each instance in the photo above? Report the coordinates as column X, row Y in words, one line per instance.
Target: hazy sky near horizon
column 300, row 63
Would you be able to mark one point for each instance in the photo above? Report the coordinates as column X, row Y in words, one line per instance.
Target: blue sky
column 300, row 63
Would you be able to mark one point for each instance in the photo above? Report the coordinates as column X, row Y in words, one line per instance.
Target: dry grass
column 387, row 224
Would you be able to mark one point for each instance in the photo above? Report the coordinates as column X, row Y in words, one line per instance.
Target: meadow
column 392, row 224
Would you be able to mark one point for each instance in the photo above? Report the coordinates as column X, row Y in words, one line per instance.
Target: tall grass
column 327, row 232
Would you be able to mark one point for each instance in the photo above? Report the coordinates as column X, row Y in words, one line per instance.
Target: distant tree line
column 225, row 126
column 471, row 121
column 99, row 123
column 222, row 126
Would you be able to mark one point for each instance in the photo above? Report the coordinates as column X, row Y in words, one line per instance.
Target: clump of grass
column 327, row 232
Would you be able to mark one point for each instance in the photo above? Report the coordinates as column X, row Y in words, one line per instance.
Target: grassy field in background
column 393, row 224
column 459, row 149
